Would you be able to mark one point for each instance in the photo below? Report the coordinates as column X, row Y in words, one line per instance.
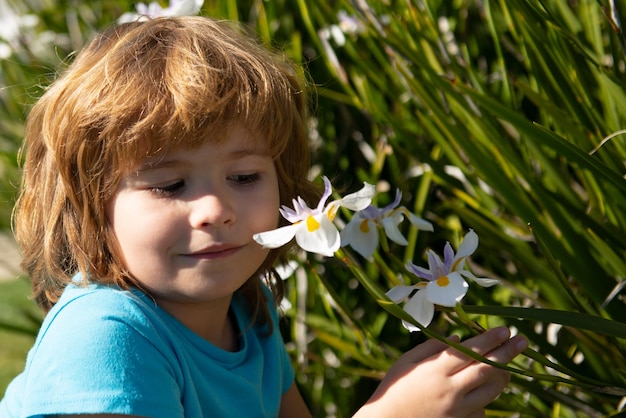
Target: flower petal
column 420, row 223
column 485, row 281
column 421, row 309
column 390, row 224
column 435, row 265
column 328, row 189
column 398, row 293
column 448, row 257
column 361, row 235
column 276, row 237
column 291, row 215
column 447, row 290
column 393, row 204
column 420, row 272
column 351, row 232
column 468, row 246
column 357, row 200
column 324, row 240
column 482, row 281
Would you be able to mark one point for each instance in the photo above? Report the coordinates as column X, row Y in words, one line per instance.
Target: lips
column 214, row 252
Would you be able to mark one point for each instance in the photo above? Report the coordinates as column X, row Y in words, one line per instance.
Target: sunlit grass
column 15, row 308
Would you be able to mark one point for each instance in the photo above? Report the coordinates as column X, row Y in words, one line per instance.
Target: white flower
column 154, row 9
column 361, row 233
column 452, row 262
column 314, row 228
column 444, row 283
column 445, row 291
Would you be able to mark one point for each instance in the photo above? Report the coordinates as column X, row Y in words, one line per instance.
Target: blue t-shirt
column 106, row 350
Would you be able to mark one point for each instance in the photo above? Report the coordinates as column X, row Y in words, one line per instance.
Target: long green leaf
column 566, row 318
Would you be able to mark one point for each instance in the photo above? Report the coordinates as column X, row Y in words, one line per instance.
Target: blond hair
column 136, row 90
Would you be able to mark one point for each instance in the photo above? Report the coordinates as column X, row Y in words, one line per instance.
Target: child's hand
column 434, row 380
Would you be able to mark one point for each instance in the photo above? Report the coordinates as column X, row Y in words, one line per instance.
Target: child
column 149, row 165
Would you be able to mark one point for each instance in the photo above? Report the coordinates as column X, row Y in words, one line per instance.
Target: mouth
column 214, row 252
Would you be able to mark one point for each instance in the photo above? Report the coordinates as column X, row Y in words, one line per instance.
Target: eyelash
column 171, row 189
column 167, row 190
column 245, row 179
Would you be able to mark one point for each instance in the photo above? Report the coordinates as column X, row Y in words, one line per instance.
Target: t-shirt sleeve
column 98, row 354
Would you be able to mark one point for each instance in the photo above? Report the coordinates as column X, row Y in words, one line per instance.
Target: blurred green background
column 507, row 117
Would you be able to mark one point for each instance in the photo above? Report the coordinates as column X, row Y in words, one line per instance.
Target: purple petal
column 419, row 271
column 328, row 189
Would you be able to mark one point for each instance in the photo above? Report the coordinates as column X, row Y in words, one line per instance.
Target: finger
column 481, row 344
column 493, row 383
column 425, row 350
column 483, row 382
column 507, row 351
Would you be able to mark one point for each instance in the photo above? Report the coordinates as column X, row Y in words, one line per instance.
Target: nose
column 211, row 210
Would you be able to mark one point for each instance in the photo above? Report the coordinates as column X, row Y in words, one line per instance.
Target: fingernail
column 521, row 343
column 504, row 333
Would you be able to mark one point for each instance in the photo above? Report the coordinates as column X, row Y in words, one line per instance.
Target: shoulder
column 96, row 308
column 100, row 325
column 102, row 349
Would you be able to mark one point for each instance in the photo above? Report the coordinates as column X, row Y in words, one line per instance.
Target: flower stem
column 467, row 321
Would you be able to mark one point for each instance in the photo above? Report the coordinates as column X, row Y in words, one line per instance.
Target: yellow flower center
column 364, row 226
column 443, row 281
column 332, row 212
column 311, row 224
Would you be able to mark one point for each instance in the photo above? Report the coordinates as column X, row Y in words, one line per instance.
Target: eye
column 168, row 189
column 245, row 179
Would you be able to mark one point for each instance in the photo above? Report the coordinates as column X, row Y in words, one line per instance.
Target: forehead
column 236, row 142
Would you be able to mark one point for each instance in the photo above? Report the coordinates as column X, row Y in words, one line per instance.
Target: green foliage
column 19, row 319
column 511, row 115
column 506, row 117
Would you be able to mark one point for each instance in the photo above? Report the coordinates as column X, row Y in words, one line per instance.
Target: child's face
column 184, row 221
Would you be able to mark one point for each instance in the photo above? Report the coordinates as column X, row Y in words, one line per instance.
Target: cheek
column 275, row 205
column 265, row 214
column 135, row 226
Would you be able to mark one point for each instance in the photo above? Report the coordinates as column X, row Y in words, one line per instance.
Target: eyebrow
column 163, row 161
column 155, row 165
